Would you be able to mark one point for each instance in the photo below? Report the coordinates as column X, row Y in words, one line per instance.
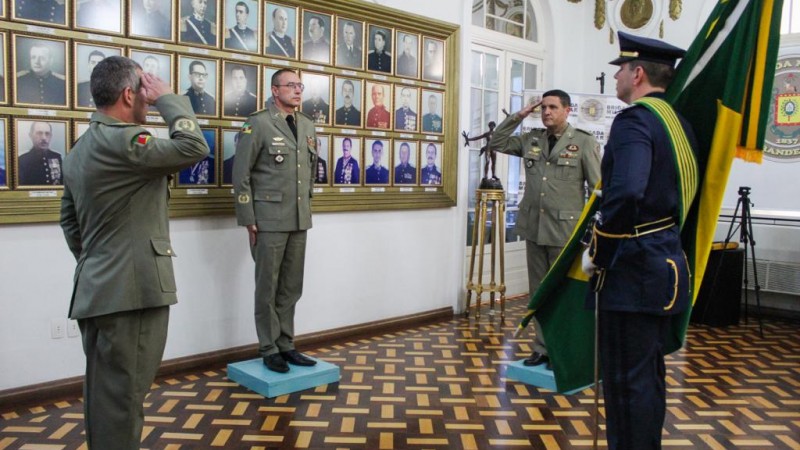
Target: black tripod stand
column 745, row 228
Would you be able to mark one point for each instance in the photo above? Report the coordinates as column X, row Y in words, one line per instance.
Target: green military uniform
column 554, row 191
column 273, row 179
column 115, row 220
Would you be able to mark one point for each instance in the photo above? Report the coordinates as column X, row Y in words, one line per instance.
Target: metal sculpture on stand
column 491, row 159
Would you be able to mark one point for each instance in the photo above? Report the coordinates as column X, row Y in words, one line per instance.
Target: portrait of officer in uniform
column 347, row 152
column 157, row 64
column 152, row 19
column 203, row 172
column 86, row 58
column 281, row 25
column 348, row 43
column 432, row 59
column 104, row 15
column 198, row 24
column 317, row 97
column 379, row 58
column 432, row 120
column 406, row 54
column 316, row 37
column 405, row 160
column 41, row 146
column 378, row 115
column 50, row 12
column 200, row 86
column 323, row 153
column 348, row 102
column 273, row 180
column 240, row 94
column 376, row 172
column 405, row 118
column 41, row 70
column 241, row 19
column 432, row 172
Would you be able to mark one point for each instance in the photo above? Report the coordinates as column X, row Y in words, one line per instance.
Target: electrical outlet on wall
column 72, row 328
column 58, row 328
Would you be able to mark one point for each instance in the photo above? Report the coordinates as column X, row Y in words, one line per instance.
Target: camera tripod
column 745, row 228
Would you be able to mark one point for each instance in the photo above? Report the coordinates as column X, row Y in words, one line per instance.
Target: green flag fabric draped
column 722, row 87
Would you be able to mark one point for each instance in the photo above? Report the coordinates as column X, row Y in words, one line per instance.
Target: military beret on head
column 645, row 49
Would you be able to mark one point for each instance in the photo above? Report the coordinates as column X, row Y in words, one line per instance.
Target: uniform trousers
column 280, row 262
column 632, row 362
column 123, row 353
column 540, row 258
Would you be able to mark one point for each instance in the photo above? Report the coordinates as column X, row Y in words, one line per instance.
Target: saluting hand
column 523, row 113
column 153, row 87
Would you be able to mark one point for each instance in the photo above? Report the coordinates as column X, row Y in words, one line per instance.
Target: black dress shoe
column 297, row 358
column 536, row 359
column 276, row 363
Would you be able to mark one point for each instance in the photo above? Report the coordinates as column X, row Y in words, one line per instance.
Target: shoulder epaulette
column 583, row 131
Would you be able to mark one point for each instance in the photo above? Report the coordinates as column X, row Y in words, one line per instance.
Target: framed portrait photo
column 4, row 158
column 198, row 81
column 199, row 22
column 86, row 56
column 316, row 37
column 239, row 89
column 378, row 105
column 406, row 101
column 349, row 43
column 433, row 109
column 230, row 138
column 155, row 63
column 51, row 13
column 433, row 59
column 41, row 73
column 405, row 162
column 3, row 65
column 430, row 172
column 347, row 153
column 78, row 128
column 321, row 173
column 99, row 15
column 152, row 19
column 348, row 97
column 280, row 30
column 379, row 56
column 407, row 54
column 317, row 97
column 40, row 145
column 377, row 156
column 203, row 172
column 241, row 25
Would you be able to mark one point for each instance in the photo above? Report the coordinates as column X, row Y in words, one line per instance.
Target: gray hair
column 110, row 77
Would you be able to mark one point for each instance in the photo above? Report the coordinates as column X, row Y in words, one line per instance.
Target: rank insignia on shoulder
column 143, row 139
column 573, row 148
column 247, row 128
column 244, row 198
column 279, row 159
column 185, row 125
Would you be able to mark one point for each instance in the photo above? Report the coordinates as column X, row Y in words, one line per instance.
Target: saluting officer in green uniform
column 115, row 220
column 559, row 161
column 273, row 179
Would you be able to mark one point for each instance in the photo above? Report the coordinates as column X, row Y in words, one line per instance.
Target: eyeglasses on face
column 293, row 86
column 199, row 74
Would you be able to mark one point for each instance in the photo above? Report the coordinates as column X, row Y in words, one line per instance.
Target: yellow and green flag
column 723, row 88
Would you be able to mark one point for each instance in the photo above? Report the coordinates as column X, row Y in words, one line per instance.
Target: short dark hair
column 406, row 144
column 110, row 77
column 563, row 96
column 377, row 142
column 195, row 63
column 234, row 68
column 95, row 53
column 347, row 139
column 660, row 75
column 381, row 34
column 275, row 76
column 346, row 82
column 246, row 8
column 318, row 19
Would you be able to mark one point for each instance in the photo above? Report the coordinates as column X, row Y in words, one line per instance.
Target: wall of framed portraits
column 380, row 85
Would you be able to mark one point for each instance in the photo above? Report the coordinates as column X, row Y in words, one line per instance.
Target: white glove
column 588, row 267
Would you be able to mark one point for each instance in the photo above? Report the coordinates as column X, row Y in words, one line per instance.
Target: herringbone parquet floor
column 443, row 386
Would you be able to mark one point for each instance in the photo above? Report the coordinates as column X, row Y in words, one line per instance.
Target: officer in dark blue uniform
column 196, row 28
column 636, row 255
column 240, row 36
column 41, row 10
column 202, row 102
column 378, row 59
column 40, row 85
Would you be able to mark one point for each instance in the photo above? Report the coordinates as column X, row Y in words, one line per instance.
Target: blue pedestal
column 537, row 376
column 254, row 375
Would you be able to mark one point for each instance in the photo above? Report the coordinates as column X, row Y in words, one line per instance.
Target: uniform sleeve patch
column 244, row 198
column 142, row 139
column 186, row 125
column 247, row 128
